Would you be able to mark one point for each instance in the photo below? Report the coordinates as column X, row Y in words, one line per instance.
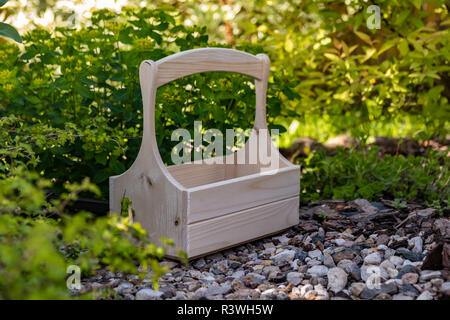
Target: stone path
column 353, row 250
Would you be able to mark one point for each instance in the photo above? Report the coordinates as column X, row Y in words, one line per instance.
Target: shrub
column 39, row 240
column 366, row 174
column 84, row 85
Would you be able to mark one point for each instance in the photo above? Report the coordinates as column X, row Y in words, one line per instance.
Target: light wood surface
column 204, row 207
column 235, row 228
column 220, row 198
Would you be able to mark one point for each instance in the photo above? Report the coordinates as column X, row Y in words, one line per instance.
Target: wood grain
column 235, row 228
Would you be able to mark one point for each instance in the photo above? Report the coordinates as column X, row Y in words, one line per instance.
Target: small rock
column 216, row 289
column 347, row 254
column 315, row 254
column 365, row 206
column 426, row 295
column 417, row 244
column 383, row 296
column 284, row 256
column 318, row 271
column 410, row 278
column 328, row 261
column 148, row 294
column 254, row 277
column 368, row 294
column 445, row 287
column 294, row 277
column 382, row 239
column 337, row 279
column 199, row 263
column 373, row 258
column 427, row 275
column 408, row 289
column 396, row 260
column 123, row 286
column 356, row 288
column 411, row 256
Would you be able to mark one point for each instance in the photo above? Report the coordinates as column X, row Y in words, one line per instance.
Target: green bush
column 355, row 174
column 84, row 85
column 39, row 240
column 387, row 81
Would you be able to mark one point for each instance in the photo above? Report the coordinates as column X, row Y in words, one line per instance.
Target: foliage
column 365, row 174
column 352, row 76
column 39, row 240
column 7, row 30
column 83, row 84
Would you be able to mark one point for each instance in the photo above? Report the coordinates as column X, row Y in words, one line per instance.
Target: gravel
column 342, row 257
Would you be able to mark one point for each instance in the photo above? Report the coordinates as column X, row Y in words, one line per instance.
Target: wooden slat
column 226, row 231
column 208, row 59
column 233, row 195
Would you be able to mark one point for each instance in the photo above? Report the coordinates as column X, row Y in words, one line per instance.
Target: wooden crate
column 208, row 207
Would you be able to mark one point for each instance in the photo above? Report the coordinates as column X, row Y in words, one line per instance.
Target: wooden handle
column 155, row 74
column 208, row 59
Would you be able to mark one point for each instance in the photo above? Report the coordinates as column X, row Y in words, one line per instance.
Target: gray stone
column 408, row 289
column 396, row 260
column 284, row 256
column 337, row 279
column 356, row 288
column 252, row 256
column 410, row 278
column 148, row 294
column 368, row 270
column 123, row 286
column 199, row 263
column 315, row 254
column 365, row 206
column 254, row 277
column 445, row 286
column 417, row 244
column 318, row 271
column 368, row 294
column 427, row 275
column 373, row 258
column 215, row 289
column 294, row 277
column 328, row 261
column 426, row 295
column 411, row 256
column 347, row 265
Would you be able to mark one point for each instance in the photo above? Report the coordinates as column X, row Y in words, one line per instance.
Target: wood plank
column 196, row 174
column 237, row 194
column 208, row 59
column 226, row 231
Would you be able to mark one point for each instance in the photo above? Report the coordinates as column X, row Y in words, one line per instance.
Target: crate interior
column 191, row 175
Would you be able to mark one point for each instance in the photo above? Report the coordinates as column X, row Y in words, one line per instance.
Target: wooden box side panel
column 242, row 193
column 159, row 207
column 227, row 231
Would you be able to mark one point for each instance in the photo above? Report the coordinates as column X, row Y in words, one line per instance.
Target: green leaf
column 363, row 37
column 417, row 3
column 8, row 31
column 3, row 2
column 386, row 46
column 332, row 57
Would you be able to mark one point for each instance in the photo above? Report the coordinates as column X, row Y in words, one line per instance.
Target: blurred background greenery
column 344, row 77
